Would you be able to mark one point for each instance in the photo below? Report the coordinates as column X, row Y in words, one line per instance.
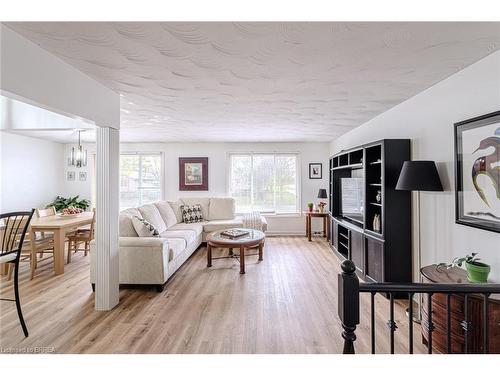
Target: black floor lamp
column 419, row 175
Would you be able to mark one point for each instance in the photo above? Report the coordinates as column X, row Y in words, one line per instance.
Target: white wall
column 30, row 170
column 217, row 180
column 427, row 119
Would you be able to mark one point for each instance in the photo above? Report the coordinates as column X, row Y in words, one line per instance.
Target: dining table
column 59, row 226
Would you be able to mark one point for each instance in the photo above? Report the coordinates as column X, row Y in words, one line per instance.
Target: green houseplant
column 477, row 272
column 60, row 203
column 310, row 205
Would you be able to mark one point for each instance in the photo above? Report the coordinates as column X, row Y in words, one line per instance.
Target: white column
column 108, row 156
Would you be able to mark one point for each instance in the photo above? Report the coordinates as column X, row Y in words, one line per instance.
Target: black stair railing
column 349, row 289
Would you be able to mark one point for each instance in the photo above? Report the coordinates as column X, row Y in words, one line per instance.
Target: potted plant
column 477, row 272
column 310, row 206
column 61, row 203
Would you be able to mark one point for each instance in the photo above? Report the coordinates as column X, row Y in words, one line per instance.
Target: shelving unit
column 374, row 187
column 380, row 254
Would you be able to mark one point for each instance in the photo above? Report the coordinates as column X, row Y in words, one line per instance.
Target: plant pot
column 310, row 209
column 477, row 272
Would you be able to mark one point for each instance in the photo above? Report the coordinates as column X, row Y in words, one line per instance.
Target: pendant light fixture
column 78, row 154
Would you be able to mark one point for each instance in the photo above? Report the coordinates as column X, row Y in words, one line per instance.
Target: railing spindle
column 410, row 323
column 448, row 323
column 486, row 324
column 430, row 327
column 391, row 323
column 372, row 299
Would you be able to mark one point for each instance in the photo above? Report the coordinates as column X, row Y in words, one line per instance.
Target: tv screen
column 352, row 201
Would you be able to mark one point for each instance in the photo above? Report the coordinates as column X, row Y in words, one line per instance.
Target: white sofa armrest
column 143, row 260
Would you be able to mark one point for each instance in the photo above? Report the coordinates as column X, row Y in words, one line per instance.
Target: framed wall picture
column 315, row 171
column 70, row 175
column 193, row 174
column 82, row 176
column 477, row 172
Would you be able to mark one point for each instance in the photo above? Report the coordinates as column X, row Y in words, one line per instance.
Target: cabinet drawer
column 439, row 299
column 440, row 319
column 440, row 337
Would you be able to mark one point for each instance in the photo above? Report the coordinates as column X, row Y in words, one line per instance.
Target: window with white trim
column 140, row 179
column 264, row 182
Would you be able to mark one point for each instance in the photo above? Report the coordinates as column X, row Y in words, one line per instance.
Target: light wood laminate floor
column 285, row 304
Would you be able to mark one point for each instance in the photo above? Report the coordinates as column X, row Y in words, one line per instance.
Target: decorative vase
column 378, row 197
column 477, row 272
column 321, row 208
column 376, row 223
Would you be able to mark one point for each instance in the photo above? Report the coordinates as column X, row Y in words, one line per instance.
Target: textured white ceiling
column 261, row 81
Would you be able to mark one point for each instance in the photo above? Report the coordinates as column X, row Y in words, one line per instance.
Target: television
column 352, row 199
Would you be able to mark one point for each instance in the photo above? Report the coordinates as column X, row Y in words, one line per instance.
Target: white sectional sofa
column 152, row 260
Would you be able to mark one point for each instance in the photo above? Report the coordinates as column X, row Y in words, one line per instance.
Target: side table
column 326, row 223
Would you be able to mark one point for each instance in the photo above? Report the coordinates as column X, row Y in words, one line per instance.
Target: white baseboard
column 275, row 234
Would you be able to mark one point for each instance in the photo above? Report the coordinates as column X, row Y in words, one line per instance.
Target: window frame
column 162, row 172
column 298, row 167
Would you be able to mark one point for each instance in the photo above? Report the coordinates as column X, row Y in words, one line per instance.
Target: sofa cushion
column 189, row 236
column 152, row 215
column 125, row 223
column 191, row 214
column 221, row 209
column 166, row 213
column 176, row 207
column 196, row 227
column 214, row 225
column 203, row 202
column 144, row 228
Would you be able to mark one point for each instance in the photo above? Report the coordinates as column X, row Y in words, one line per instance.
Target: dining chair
column 43, row 241
column 84, row 236
column 14, row 226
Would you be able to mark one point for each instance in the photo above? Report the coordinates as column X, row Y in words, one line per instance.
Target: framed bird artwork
column 477, row 172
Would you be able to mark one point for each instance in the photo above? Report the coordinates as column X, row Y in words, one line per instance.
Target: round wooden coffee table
column 254, row 239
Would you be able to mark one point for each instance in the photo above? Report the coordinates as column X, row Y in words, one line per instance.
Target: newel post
column 348, row 285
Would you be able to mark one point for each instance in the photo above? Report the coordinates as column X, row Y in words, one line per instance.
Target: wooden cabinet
column 457, row 317
column 374, row 259
column 380, row 236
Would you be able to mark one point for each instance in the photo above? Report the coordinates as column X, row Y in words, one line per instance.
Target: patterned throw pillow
column 144, row 228
column 191, row 214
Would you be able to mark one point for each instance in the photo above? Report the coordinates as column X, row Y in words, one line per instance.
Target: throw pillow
column 144, row 228
column 176, row 207
column 166, row 213
column 151, row 214
column 191, row 214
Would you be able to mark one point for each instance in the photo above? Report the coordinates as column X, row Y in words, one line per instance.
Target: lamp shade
column 322, row 194
column 419, row 175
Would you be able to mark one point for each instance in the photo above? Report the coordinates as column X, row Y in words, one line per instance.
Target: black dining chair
column 13, row 227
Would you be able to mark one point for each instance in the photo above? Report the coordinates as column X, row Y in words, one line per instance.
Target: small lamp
column 322, row 195
column 419, row 175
